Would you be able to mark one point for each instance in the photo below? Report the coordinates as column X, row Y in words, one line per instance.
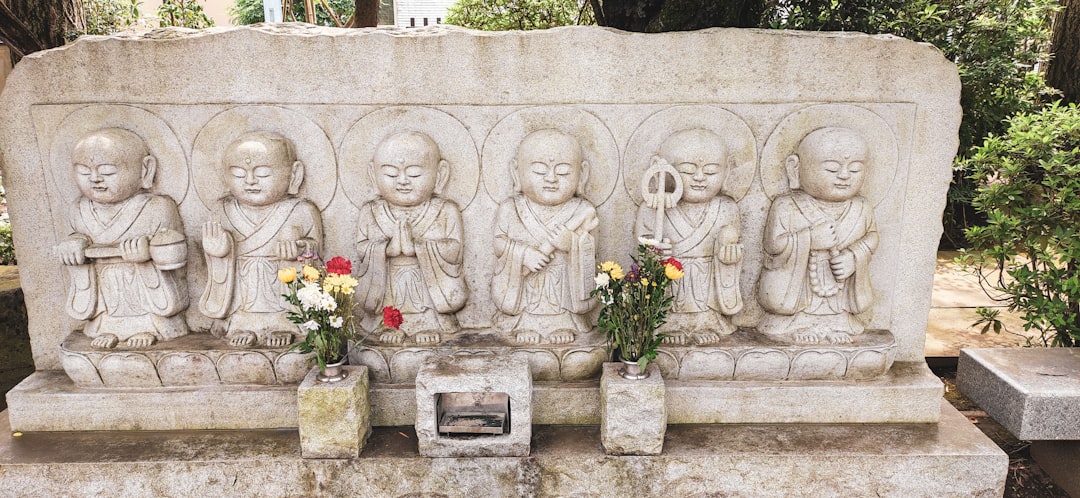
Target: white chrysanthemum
column 602, row 280
column 337, row 322
column 309, row 325
column 310, row 296
column 328, row 303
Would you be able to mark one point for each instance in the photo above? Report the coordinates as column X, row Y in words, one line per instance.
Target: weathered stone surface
column 474, row 375
column 947, row 459
column 1034, row 393
column 334, row 417
column 907, row 111
column 633, row 415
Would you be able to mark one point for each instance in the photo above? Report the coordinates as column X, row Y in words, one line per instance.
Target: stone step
column 949, row 458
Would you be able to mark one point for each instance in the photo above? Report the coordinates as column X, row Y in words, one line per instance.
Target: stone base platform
column 192, row 360
column 744, row 355
column 49, row 401
column 950, row 458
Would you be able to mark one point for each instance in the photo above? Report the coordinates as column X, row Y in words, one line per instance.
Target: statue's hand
column 731, row 254
column 563, row 240
column 822, row 237
column 288, row 250
column 843, row 264
column 72, row 251
column 535, row 260
column 135, row 250
column 654, row 199
column 408, row 248
column 216, row 240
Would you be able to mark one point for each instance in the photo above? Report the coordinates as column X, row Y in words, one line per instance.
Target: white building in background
column 416, row 13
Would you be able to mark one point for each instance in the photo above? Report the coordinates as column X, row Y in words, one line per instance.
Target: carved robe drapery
column 119, row 297
column 562, row 287
column 428, row 287
column 245, row 280
column 796, row 279
column 697, row 242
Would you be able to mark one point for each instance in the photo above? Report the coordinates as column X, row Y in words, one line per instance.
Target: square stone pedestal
column 473, row 406
column 633, row 417
column 1032, row 392
column 334, row 417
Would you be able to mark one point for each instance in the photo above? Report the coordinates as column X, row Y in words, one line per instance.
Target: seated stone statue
column 702, row 231
column 260, row 227
column 818, row 242
column 544, row 247
column 125, row 252
column 409, row 242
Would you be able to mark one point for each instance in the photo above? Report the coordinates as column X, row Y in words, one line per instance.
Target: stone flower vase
column 633, row 412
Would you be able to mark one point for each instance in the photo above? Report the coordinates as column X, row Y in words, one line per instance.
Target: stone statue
column 258, row 228
column 544, row 247
column 125, row 252
column 409, row 242
column 818, row 241
column 700, row 228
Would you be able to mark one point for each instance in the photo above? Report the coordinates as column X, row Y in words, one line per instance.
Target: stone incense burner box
column 476, row 180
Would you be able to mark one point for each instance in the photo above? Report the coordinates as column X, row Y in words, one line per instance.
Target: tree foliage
column 251, row 12
column 1029, row 189
column 109, row 16
column 184, row 14
column 502, row 15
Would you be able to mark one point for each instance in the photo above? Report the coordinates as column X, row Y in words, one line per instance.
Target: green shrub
column 184, row 14
column 7, row 248
column 251, row 11
column 1028, row 187
column 502, row 15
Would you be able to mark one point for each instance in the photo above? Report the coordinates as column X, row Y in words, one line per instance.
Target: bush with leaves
column 184, row 14
column 1029, row 190
column 503, row 15
column 109, row 16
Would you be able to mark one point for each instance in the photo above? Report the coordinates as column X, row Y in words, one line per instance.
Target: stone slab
column 477, row 374
column 488, row 86
column 1059, row 459
column 1032, row 392
column 48, row 401
column 633, row 417
column 949, row 459
column 334, row 418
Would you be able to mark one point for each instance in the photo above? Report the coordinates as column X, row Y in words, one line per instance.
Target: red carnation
column 339, row 266
column 391, row 317
column 673, row 262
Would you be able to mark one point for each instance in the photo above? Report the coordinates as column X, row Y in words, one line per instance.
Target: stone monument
column 476, row 179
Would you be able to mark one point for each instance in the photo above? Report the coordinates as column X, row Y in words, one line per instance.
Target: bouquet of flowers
column 636, row 302
column 324, row 307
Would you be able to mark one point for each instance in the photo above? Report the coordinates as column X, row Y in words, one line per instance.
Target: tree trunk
column 365, row 14
column 1063, row 72
column 27, row 26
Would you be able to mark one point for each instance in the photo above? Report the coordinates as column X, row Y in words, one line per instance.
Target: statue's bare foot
column 143, row 340
column 528, row 337
column 562, row 336
column 427, row 337
column 105, row 341
column 279, row 339
column 806, row 337
column 703, row 338
column 838, row 338
column 242, row 339
column 395, row 337
column 675, row 339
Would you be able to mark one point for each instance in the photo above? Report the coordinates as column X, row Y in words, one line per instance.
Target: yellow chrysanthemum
column 287, row 275
column 343, row 283
column 644, row 281
column 673, row 273
column 310, row 273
